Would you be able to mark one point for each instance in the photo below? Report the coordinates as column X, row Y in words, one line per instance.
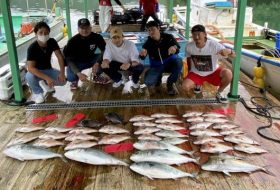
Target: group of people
column 119, row 54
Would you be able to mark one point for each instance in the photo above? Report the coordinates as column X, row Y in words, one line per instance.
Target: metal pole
column 9, row 32
column 27, row 6
column 170, row 9
column 233, row 94
column 67, row 8
column 188, row 13
column 86, row 8
column 46, row 6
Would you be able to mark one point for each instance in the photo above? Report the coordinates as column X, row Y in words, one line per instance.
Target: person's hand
column 50, row 82
column 82, row 77
column 143, row 53
column 95, row 68
column 172, row 50
column 134, row 63
column 105, row 64
column 125, row 66
column 61, row 77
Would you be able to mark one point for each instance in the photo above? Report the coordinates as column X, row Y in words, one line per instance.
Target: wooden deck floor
column 57, row 175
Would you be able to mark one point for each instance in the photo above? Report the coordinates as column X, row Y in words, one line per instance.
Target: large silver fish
column 174, row 140
column 216, row 119
column 93, row 156
column 213, row 147
column 214, row 115
column 47, row 143
column 205, row 132
column 51, row 135
column 21, row 140
column 157, row 170
column 230, row 132
column 168, row 120
column 83, row 130
column 206, row 139
column 224, row 126
column 58, row 129
column 28, row 152
column 148, row 145
column 144, row 124
column 228, row 165
column 161, row 156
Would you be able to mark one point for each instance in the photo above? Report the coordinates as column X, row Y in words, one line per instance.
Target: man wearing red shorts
column 203, row 55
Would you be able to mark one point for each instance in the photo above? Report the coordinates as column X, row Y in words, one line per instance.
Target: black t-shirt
column 166, row 41
column 42, row 55
column 81, row 49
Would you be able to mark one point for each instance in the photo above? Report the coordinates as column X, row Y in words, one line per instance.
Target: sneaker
column 197, row 89
column 74, row 85
column 170, row 90
column 117, row 84
column 46, row 87
column 38, row 98
column 135, row 85
column 221, row 98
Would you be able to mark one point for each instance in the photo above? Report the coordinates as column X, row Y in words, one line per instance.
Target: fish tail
column 265, row 169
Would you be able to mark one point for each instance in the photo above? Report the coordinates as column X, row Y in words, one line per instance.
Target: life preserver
column 213, row 30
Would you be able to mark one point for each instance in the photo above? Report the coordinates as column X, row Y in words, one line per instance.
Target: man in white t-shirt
column 121, row 54
column 203, row 55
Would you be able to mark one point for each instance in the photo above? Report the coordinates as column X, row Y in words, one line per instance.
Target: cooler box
column 6, row 83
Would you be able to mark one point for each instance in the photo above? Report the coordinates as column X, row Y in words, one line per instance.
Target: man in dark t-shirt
column 41, row 77
column 80, row 53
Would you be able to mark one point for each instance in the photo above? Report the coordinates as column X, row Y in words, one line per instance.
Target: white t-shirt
column 204, row 61
column 126, row 53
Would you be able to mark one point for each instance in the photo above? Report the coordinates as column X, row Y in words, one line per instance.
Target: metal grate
column 120, row 103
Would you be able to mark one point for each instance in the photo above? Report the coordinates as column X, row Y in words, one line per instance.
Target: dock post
column 170, row 9
column 86, row 8
column 188, row 14
column 13, row 58
column 239, row 29
column 67, row 8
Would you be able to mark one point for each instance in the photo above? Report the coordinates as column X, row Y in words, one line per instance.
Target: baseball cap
column 116, row 31
column 198, row 28
column 83, row 22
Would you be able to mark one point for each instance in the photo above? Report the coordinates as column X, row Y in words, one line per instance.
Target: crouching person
column 163, row 52
column 121, row 55
column 41, row 77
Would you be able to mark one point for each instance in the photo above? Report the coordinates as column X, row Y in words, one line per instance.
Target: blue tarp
column 219, row 4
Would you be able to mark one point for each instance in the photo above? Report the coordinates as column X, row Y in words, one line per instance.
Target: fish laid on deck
column 83, row 130
column 157, row 170
column 174, row 140
column 93, row 156
column 28, row 152
column 148, row 145
column 239, row 138
column 28, row 128
column 47, row 143
column 161, row 156
column 113, row 139
column 58, row 129
column 112, row 129
column 214, row 147
column 170, row 126
column 168, row 133
column 249, row 148
column 149, row 137
column 80, row 144
column 141, row 118
column 230, row 164
column 146, row 130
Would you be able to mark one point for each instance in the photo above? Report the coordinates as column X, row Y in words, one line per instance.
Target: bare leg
column 188, row 86
column 226, row 77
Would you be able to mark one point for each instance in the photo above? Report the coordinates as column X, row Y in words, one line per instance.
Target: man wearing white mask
column 41, row 77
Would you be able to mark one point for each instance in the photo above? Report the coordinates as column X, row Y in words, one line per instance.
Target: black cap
column 198, row 28
column 152, row 24
column 83, row 22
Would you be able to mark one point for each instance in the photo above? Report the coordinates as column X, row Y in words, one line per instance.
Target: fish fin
column 150, row 177
column 227, row 173
column 63, row 158
column 267, row 171
column 194, row 177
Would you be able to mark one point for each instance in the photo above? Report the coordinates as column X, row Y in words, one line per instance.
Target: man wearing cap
column 121, row 54
column 80, row 53
column 105, row 14
column 203, row 55
column 163, row 50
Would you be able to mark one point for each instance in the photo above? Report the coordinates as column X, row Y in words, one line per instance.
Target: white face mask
column 43, row 38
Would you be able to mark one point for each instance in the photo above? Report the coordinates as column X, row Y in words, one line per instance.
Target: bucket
column 26, row 28
column 277, row 38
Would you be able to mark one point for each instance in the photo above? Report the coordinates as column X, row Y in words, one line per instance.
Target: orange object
column 185, row 68
column 26, row 28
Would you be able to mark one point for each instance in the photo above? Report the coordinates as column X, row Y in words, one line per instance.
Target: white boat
column 258, row 41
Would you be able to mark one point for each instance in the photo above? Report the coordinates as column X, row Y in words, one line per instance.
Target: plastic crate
column 6, row 75
column 6, row 93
